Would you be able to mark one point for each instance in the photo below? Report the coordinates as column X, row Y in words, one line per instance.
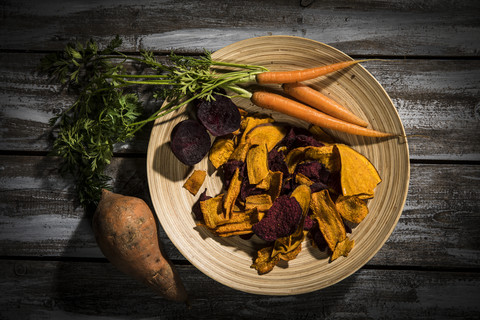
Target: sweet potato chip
column 265, row 183
column 358, row 176
column 268, row 257
column 294, row 157
column 302, row 194
column 326, row 155
column 276, row 182
column 239, row 223
column 232, row 193
column 264, row 262
column 250, row 122
column 343, row 248
column 261, row 202
column 268, row 133
column 240, row 152
column 257, row 164
column 293, row 253
column 230, row 229
column 221, row 151
column 212, row 210
column 351, row 208
column 320, row 135
column 329, row 220
column 233, row 233
column 302, row 179
column 195, row 181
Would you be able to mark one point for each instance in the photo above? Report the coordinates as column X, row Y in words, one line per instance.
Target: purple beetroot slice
column 219, row 116
column 189, row 142
column 280, row 220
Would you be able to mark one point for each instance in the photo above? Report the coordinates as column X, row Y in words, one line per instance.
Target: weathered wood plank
column 440, row 226
column 88, row 290
column 400, row 28
column 436, row 100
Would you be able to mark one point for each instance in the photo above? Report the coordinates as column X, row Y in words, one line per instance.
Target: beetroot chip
column 318, row 186
column 309, row 223
column 229, row 168
column 306, row 141
column 299, row 137
column 288, row 186
column 314, row 171
column 317, row 237
column 196, row 206
column 248, row 189
column 276, row 162
column 280, row 220
column 334, row 182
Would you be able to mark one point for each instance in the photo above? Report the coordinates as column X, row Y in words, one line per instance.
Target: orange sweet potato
column 126, row 232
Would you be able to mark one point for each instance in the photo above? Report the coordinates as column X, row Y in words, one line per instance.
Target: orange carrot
column 321, row 102
column 302, row 74
column 300, row 111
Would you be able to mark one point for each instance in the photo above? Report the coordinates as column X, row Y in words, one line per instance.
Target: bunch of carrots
column 325, row 113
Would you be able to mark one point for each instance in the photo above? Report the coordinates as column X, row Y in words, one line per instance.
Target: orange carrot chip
column 351, row 208
column 195, row 181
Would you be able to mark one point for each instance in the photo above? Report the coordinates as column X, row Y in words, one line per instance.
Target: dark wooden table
column 429, row 268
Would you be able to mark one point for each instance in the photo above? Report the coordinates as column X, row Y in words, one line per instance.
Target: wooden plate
column 228, row 260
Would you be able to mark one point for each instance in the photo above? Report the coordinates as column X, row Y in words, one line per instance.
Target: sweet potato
column 126, row 232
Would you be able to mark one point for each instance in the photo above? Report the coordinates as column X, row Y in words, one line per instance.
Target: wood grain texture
column 436, row 100
column 400, row 28
column 440, row 225
column 427, row 269
column 89, row 290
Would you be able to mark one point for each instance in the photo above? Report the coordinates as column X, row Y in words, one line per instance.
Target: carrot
column 321, row 102
column 300, row 111
column 302, row 74
column 126, row 232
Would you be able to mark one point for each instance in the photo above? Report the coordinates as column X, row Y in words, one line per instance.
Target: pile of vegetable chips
column 284, row 184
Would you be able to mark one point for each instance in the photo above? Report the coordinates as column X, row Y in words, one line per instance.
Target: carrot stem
column 300, row 111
